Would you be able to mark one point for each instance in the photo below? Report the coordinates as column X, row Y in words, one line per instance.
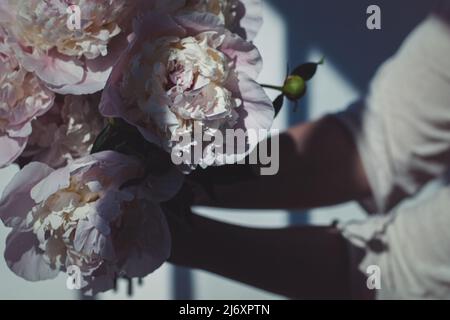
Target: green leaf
column 308, row 70
column 278, row 104
column 102, row 139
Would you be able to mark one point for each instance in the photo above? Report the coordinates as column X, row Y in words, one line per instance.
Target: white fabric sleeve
column 402, row 129
column 410, row 248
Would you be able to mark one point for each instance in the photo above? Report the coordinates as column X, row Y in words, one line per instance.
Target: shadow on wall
column 338, row 30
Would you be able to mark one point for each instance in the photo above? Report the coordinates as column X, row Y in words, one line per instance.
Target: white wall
column 329, row 93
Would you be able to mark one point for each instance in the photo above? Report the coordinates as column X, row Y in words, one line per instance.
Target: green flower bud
column 294, row 88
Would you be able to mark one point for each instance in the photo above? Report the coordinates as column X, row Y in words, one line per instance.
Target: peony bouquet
column 106, row 105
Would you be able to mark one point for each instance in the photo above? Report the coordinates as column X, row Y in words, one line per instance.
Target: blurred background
column 294, row 32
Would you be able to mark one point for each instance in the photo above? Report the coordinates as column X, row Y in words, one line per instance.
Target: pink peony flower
column 22, row 98
column 243, row 17
column 186, row 72
column 68, row 60
column 83, row 215
column 67, row 132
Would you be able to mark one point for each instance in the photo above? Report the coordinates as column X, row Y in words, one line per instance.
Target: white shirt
column 402, row 131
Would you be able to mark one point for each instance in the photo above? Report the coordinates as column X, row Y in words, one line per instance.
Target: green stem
column 268, row 86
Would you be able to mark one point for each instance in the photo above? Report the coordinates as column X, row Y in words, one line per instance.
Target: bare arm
column 301, row 262
column 319, row 166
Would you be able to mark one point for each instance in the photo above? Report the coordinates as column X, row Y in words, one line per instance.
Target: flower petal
column 255, row 114
column 198, row 22
column 24, row 258
column 16, row 200
column 245, row 55
column 258, row 109
column 55, row 181
column 54, row 69
column 10, row 149
column 249, row 19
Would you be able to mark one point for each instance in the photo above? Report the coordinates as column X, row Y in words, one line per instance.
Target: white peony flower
column 85, row 216
column 68, row 60
column 22, row 98
column 186, row 73
column 43, row 25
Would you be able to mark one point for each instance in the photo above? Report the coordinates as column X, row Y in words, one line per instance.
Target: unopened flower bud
column 294, row 88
